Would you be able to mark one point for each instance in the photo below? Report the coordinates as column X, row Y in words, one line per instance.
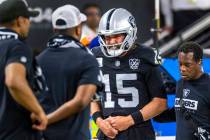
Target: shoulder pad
column 150, row 55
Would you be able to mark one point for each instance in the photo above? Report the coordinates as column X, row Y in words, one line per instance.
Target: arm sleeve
column 154, row 82
column 90, row 71
column 19, row 54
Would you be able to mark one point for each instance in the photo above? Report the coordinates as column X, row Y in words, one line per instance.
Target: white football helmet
column 113, row 22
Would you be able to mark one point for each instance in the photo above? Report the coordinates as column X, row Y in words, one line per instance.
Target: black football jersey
column 130, row 81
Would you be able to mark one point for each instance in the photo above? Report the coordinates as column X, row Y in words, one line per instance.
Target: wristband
column 137, row 117
column 96, row 115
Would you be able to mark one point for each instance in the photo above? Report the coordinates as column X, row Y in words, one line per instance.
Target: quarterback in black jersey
column 192, row 102
column 133, row 85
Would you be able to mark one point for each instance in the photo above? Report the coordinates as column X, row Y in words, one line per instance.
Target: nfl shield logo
column 186, row 92
column 134, row 63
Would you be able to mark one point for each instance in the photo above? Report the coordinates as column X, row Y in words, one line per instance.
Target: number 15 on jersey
column 109, row 103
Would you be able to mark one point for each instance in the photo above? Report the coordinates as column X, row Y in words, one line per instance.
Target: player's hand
column 106, row 128
column 39, row 121
column 121, row 123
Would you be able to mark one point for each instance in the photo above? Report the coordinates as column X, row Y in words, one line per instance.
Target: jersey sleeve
column 154, row 83
column 90, row 71
column 150, row 55
column 19, row 54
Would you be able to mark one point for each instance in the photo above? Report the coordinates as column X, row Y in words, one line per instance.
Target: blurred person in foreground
column 133, row 86
column 72, row 74
column 17, row 100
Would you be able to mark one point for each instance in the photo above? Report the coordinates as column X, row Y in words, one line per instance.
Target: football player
column 133, row 86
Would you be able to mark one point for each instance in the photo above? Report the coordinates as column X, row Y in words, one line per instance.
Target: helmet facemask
column 115, row 50
column 115, row 22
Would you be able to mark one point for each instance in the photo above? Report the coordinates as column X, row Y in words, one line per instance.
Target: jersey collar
column 6, row 33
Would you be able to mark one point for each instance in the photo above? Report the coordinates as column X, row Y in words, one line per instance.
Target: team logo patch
column 134, row 63
column 117, row 63
column 186, row 92
column 186, row 103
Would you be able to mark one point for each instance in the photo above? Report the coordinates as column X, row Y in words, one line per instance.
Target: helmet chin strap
column 124, row 54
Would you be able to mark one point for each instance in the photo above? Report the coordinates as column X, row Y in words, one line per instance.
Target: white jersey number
column 121, row 90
